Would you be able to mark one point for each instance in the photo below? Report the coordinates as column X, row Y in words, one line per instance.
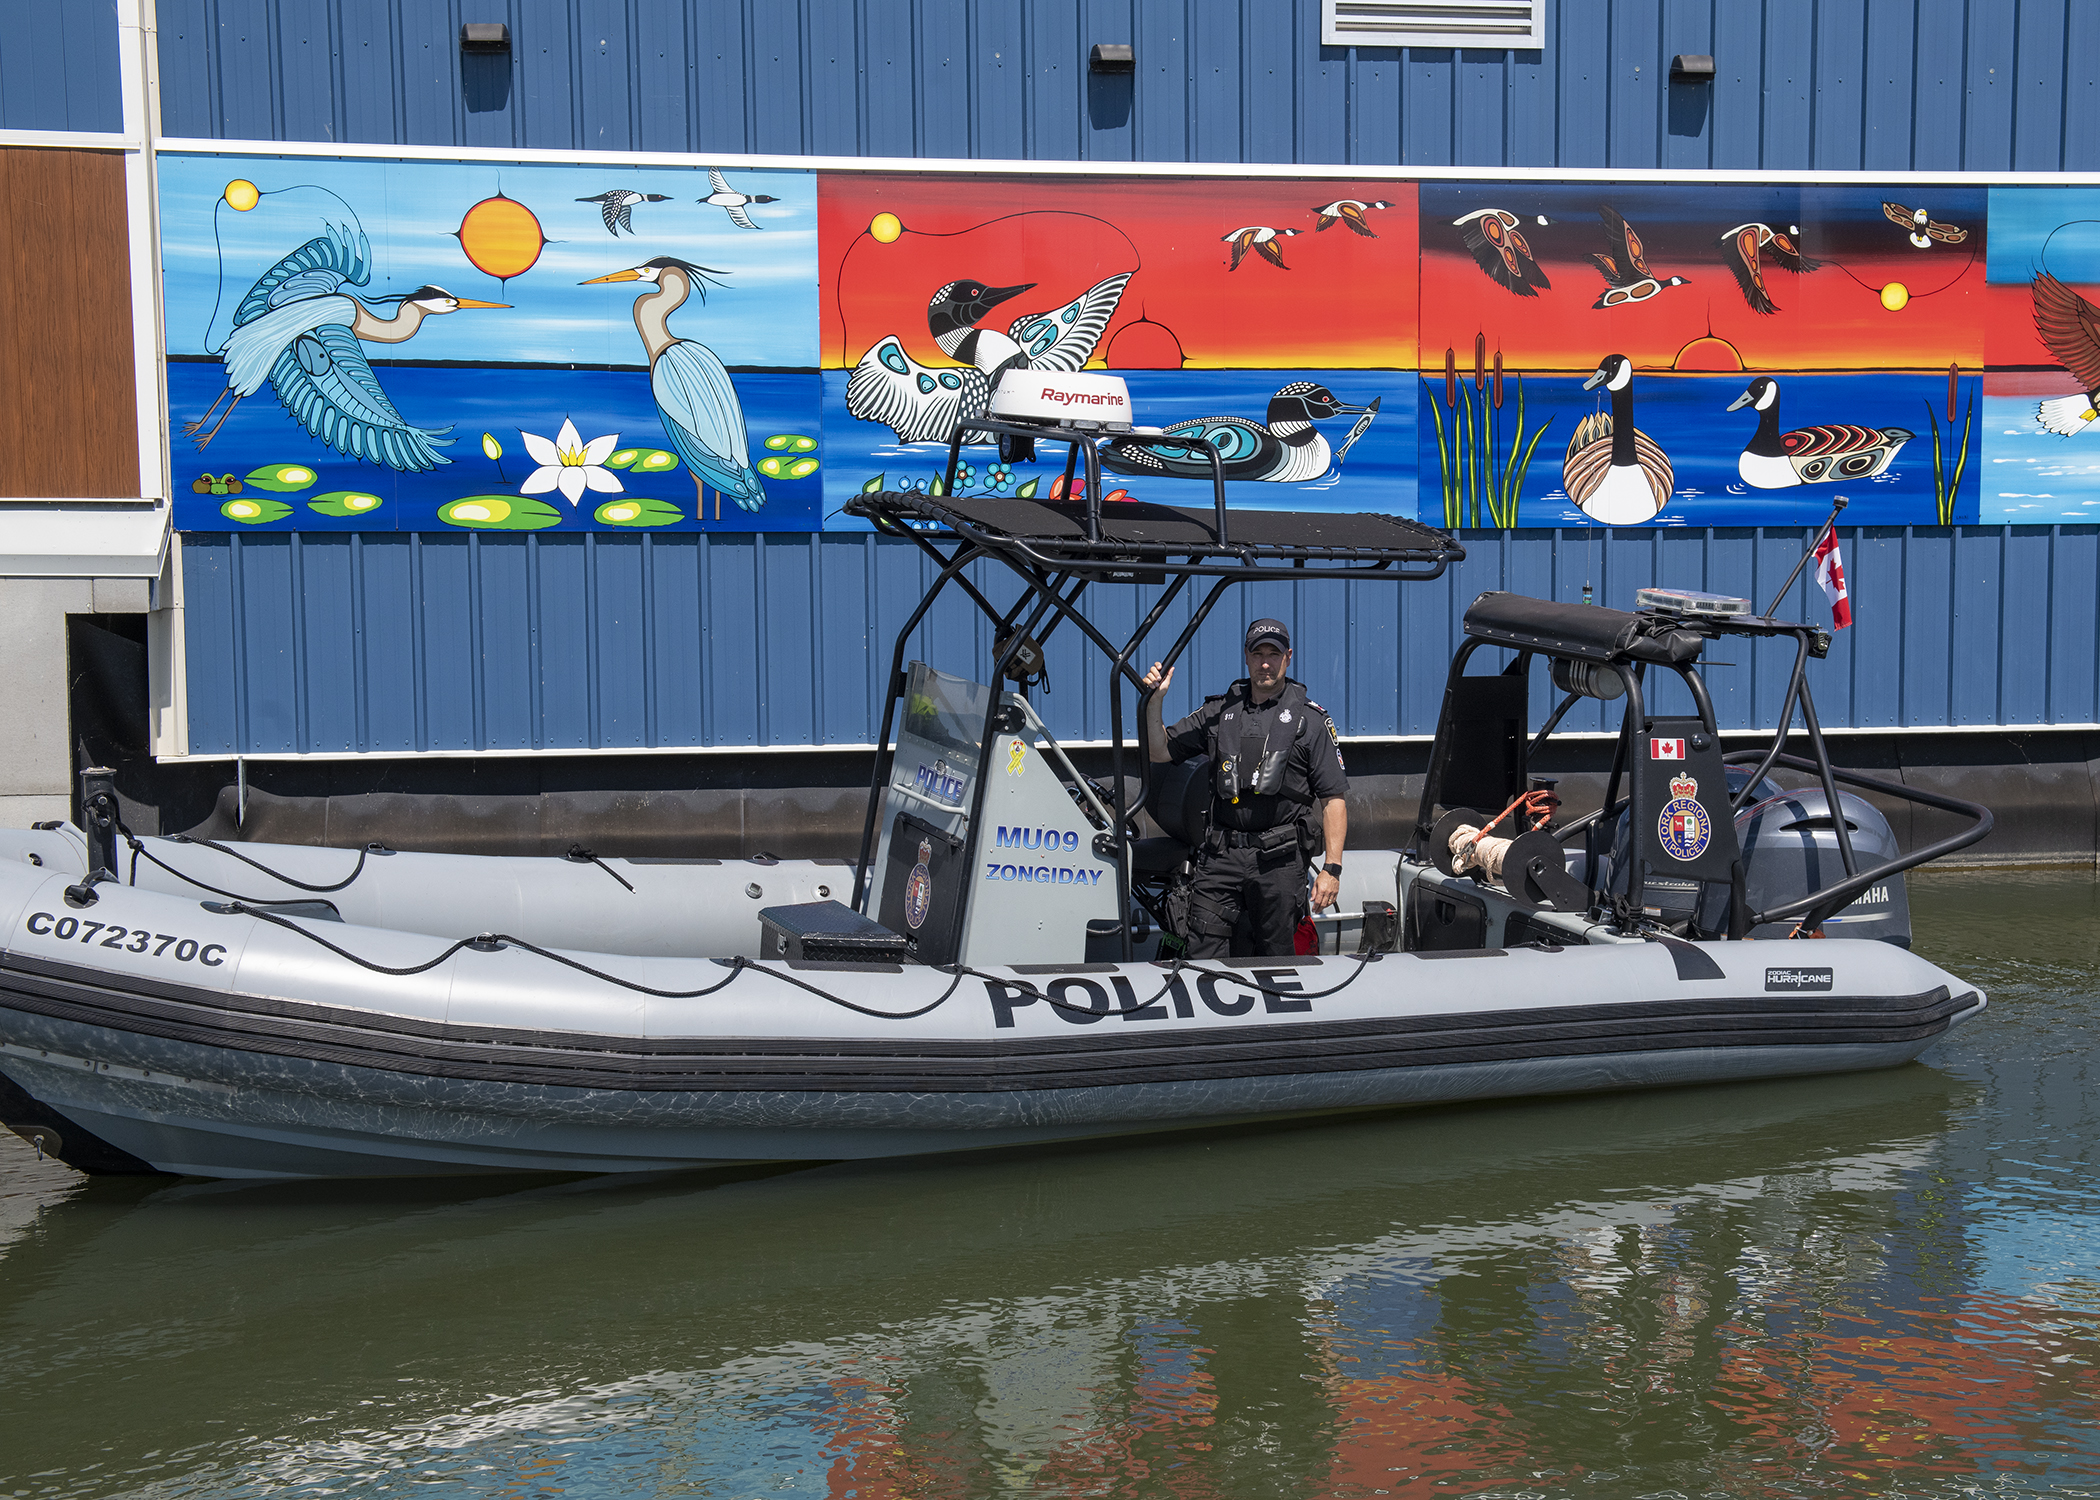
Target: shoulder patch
column 1332, row 733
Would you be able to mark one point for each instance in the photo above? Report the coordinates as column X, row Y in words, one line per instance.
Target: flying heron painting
column 298, row 329
column 699, row 407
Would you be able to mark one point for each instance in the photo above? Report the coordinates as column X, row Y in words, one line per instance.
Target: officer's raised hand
column 1156, row 682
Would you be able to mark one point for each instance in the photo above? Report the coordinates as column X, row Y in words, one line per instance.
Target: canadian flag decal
column 1666, row 749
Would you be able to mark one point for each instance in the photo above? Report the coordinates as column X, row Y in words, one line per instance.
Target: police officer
column 1277, row 790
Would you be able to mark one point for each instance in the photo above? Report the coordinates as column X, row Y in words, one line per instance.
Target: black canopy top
column 1054, row 533
column 1588, row 632
column 1591, row 632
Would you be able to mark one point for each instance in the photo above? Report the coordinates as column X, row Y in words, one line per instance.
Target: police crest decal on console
column 1684, row 828
column 918, row 891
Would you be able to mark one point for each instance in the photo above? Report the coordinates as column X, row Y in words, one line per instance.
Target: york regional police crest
column 918, row 890
column 1684, row 828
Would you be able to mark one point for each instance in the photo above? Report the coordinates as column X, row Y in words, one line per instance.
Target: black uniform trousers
column 1239, row 893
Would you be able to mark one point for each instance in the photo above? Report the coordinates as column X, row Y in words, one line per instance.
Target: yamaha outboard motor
column 1790, row 848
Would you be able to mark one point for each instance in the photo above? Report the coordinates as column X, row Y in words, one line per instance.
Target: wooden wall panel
column 68, row 404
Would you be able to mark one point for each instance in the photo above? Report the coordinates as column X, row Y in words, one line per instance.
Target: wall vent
column 1433, row 23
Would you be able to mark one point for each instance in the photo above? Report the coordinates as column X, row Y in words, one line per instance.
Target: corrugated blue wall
column 397, row 643
column 328, row 643
column 58, row 65
column 1876, row 84
column 1882, row 85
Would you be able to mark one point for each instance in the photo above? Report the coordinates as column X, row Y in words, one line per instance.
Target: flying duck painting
column 1625, row 269
column 1259, row 238
column 1613, row 472
column 618, row 207
column 737, row 205
column 2070, row 326
column 1350, row 212
column 1499, row 248
column 1775, row 460
column 1747, row 247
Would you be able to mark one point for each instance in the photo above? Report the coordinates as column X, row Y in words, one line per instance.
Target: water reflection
column 1882, row 1284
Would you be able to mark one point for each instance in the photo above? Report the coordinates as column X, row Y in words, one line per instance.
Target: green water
column 1884, row 1284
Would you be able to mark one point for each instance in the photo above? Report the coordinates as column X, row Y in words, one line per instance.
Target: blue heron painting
column 699, row 407
column 298, row 329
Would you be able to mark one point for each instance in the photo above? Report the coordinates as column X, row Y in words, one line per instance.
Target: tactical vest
column 1256, row 782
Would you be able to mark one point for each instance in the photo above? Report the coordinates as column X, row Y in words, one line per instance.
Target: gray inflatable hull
column 224, row 1045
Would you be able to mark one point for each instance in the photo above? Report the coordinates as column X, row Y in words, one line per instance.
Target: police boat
column 992, row 969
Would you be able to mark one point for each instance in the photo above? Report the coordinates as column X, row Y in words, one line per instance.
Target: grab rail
column 1835, row 897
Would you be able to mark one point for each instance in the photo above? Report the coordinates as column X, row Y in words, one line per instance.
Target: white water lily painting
column 569, row 464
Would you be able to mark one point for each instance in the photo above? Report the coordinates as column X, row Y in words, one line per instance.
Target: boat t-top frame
column 1059, row 548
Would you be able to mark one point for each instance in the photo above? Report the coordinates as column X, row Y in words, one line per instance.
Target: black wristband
column 1333, row 869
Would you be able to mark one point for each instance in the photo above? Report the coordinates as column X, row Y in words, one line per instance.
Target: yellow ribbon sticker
column 1016, row 758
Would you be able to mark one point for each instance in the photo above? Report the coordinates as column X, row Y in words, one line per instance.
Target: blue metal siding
column 1802, row 84
column 58, row 66
column 408, row 642
column 397, row 643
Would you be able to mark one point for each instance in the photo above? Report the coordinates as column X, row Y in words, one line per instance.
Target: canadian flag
column 1672, row 749
column 1830, row 575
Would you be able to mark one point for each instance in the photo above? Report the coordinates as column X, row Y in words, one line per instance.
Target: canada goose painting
column 1614, row 472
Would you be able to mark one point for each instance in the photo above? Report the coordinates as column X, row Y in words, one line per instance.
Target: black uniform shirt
column 1312, row 773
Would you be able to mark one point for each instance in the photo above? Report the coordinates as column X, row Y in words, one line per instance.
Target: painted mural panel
column 382, row 345
column 428, row 346
column 1700, row 354
column 2041, row 399
column 1275, row 315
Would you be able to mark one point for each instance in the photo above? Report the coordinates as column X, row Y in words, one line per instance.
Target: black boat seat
column 1180, row 798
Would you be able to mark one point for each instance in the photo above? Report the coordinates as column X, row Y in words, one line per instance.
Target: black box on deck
column 829, row 932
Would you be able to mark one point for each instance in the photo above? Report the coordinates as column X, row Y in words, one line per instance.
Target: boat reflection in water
column 1756, row 1289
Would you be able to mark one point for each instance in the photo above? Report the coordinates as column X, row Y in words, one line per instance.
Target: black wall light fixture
column 1111, row 57
column 484, row 37
column 1692, row 67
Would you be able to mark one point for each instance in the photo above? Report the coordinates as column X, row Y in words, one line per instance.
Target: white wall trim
column 72, row 140
column 139, row 69
column 212, row 146
column 138, row 61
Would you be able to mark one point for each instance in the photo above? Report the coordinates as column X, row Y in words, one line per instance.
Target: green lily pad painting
column 500, row 513
column 283, row 478
column 776, row 466
column 254, row 512
column 643, row 460
column 791, row 442
column 344, row 503
column 633, row 510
